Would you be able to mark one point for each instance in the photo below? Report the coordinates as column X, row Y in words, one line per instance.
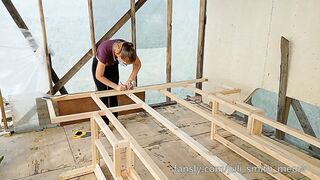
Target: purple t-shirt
column 105, row 54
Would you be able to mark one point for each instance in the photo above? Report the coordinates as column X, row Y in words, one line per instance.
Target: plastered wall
column 242, row 46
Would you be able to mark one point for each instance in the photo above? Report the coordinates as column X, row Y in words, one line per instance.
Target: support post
column 94, row 137
column 215, row 111
column 129, row 159
column 303, row 119
column 169, row 44
column 133, row 28
column 201, row 37
column 45, row 45
column 283, row 100
column 92, row 33
column 3, row 112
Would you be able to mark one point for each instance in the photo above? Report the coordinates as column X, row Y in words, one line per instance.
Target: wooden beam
column 199, row 148
column 3, row 112
column 105, row 129
column 169, row 44
column 292, row 131
column 105, row 156
column 99, row 174
column 155, row 171
column 94, row 137
column 92, row 33
column 86, row 57
column 304, row 122
column 272, row 172
column 76, row 172
column 86, row 115
column 133, row 27
column 135, row 90
column 45, row 45
column 56, row 79
column 201, row 37
column 286, row 157
column 283, row 101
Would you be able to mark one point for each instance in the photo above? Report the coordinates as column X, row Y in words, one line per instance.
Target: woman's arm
column 135, row 70
column 100, row 76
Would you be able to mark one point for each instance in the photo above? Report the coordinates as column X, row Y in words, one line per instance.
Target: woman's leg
column 112, row 73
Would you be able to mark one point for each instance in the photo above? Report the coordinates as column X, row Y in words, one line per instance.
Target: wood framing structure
column 252, row 134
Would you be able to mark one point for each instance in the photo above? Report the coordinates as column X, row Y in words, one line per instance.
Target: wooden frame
column 252, row 134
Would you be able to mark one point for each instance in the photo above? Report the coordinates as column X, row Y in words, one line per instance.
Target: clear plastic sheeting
column 22, row 70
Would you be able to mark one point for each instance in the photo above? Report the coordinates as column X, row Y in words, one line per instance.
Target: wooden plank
column 86, row 57
column 130, row 163
column 139, row 151
column 278, row 153
column 45, row 45
column 201, row 37
column 88, row 115
column 169, row 44
column 3, row 112
column 92, row 33
column 224, row 100
column 135, row 90
column 105, row 157
column 117, row 161
column 76, row 172
column 214, row 128
column 51, row 110
column 99, row 174
column 204, row 152
column 79, row 110
column 283, row 104
column 272, row 172
column 133, row 28
column 94, row 137
column 284, row 128
column 304, row 122
column 105, row 129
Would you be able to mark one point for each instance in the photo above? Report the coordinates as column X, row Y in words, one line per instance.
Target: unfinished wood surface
column 77, row 172
column 105, row 156
column 105, row 129
column 284, row 128
column 135, row 90
column 99, row 174
column 304, row 122
column 215, row 110
column 86, row 57
column 94, row 137
column 45, row 45
column 204, row 152
column 169, row 44
column 3, row 112
column 139, row 151
column 92, row 33
column 133, row 28
column 283, row 104
column 250, row 158
column 201, row 37
column 66, row 119
column 284, row 156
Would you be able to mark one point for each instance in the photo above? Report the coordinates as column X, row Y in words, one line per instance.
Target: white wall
column 242, row 45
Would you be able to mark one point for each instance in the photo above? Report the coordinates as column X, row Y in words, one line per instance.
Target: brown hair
column 128, row 50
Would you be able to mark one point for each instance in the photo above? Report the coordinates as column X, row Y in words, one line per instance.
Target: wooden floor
column 45, row 154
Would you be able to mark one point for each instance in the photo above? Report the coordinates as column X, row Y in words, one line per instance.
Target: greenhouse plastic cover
column 24, row 73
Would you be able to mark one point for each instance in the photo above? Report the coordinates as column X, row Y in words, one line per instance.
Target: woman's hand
column 121, row 88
